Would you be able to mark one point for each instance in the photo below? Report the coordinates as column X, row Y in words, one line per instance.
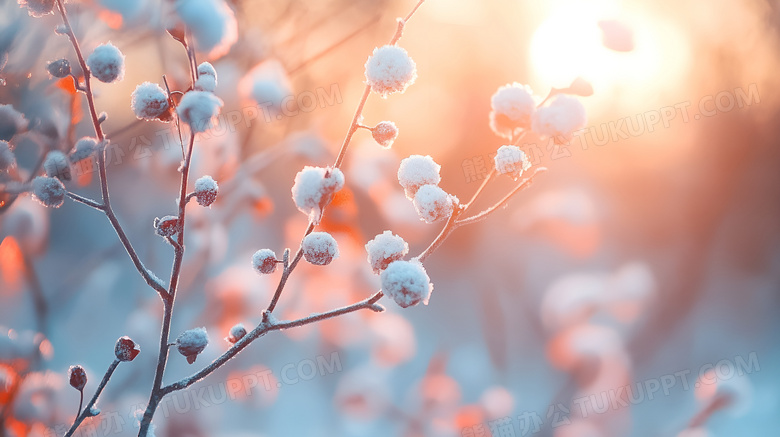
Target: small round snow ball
column 7, row 157
column 264, row 261
column 207, row 78
column 390, row 70
column 38, row 8
column 77, row 377
column 198, row 109
column 192, row 342
column 48, row 191
column 126, row 349
column 206, row 190
column 416, row 171
column 384, row 133
column 560, row 118
column 512, row 107
column 107, row 63
column 407, row 283
column 320, row 248
column 83, row 149
column 236, row 333
column 149, row 101
column 384, row 249
column 56, row 165
column 512, row 161
column 313, row 187
column 433, row 204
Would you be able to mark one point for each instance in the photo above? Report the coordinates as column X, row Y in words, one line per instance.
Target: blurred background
column 633, row 290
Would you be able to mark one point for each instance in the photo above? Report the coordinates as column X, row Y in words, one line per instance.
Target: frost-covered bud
column 320, row 248
column 560, row 118
column 206, row 190
column 207, row 78
column 48, row 191
column 126, row 349
column 264, row 261
column 198, row 109
column 59, row 68
column 149, row 101
column 7, row 157
column 12, row 122
column 77, row 377
column 107, row 63
column 512, row 107
column 512, row 161
column 38, row 8
column 167, row 226
column 407, row 283
column 433, row 204
column 236, row 333
column 314, row 187
column 384, row 249
column 192, row 342
column 416, row 171
column 56, row 165
column 389, row 70
column 384, row 133
column 83, row 149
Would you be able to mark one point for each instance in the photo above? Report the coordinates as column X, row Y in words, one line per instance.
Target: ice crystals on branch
column 390, row 70
column 107, row 63
column 407, row 283
column 313, row 189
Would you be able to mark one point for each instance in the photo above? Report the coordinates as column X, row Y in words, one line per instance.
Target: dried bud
column 264, row 261
column 236, row 333
column 126, row 349
column 320, row 248
column 206, row 190
column 192, row 342
column 167, row 226
column 59, row 68
column 384, row 133
column 77, row 377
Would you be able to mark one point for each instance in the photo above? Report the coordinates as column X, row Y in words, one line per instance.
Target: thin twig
column 87, row 412
column 87, row 201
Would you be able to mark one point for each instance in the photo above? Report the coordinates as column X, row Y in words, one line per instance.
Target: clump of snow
column 167, row 226
column 236, row 333
column 198, row 109
column 7, row 157
column 206, row 190
column 384, row 133
column 12, row 122
column 77, row 377
column 384, row 249
column 267, row 84
column 38, row 8
column 390, row 70
column 512, row 107
column 407, row 283
column 512, row 161
column 313, row 188
column 560, row 118
column 212, row 23
column 433, row 204
column 56, row 165
column 149, row 101
column 416, row 171
column 320, row 248
column 264, row 261
column 126, row 349
column 192, row 342
column 83, row 149
column 207, row 78
column 107, row 63
column 48, row 191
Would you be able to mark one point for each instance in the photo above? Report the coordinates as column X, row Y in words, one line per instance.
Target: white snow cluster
column 512, row 107
column 416, row 171
column 198, row 109
column 207, row 78
column 267, row 84
column 56, row 165
column 389, row 70
column 11, row 122
column 38, row 8
column 212, row 23
column 83, row 149
column 320, row 248
column 384, row 133
column 433, row 204
column 149, row 101
column 264, row 261
column 107, row 63
column 560, row 117
column 512, row 161
column 407, row 283
column 206, row 190
column 384, row 249
column 7, row 157
column 192, row 342
column 237, row 332
column 48, row 191
column 313, row 187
